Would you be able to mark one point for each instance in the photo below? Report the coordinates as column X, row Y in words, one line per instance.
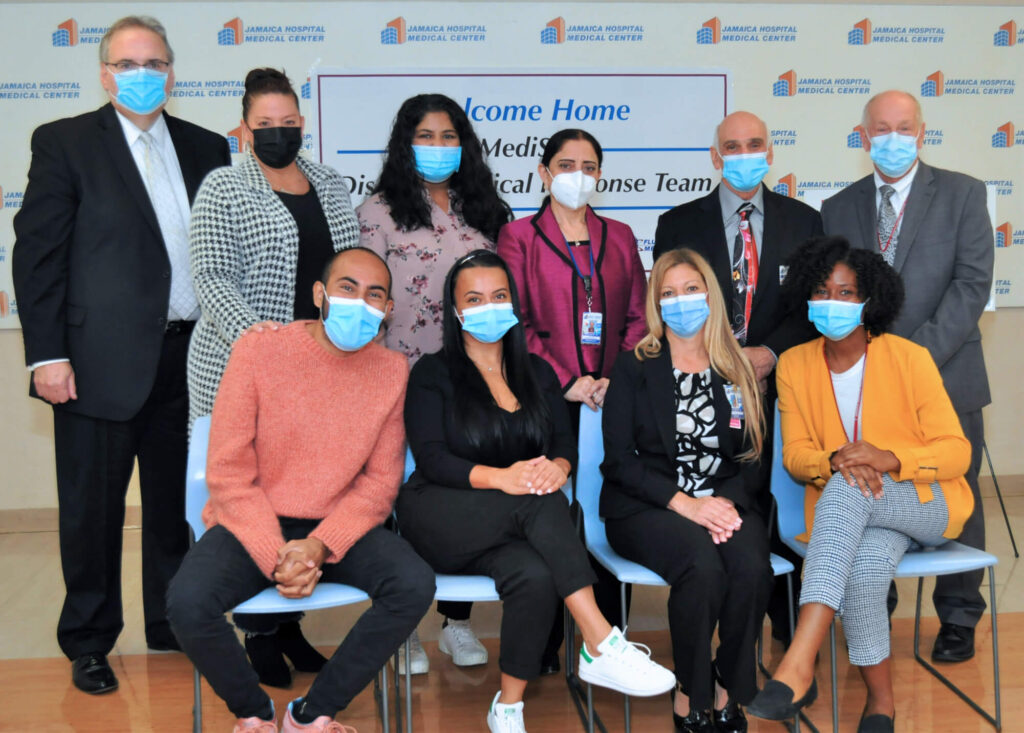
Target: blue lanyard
column 587, row 279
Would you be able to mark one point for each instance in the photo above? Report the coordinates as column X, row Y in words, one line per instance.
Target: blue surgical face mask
column 436, row 163
column 685, row 314
column 141, row 90
column 835, row 319
column 894, row 153
column 350, row 323
column 488, row 323
column 745, row 172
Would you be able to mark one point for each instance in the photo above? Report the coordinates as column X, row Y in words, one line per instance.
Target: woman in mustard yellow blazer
column 867, row 424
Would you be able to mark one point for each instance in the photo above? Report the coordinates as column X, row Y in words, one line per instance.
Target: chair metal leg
column 835, row 681
column 625, row 622
column 408, row 691
column 997, row 721
column 398, row 695
column 197, row 702
column 999, row 494
column 381, row 692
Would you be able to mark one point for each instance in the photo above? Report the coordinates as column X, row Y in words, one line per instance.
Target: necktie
column 744, row 272
column 183, row 303
column 887, row 220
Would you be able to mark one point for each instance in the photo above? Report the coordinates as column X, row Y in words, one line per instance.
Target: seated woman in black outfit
column 682, row 413
column 490, row 433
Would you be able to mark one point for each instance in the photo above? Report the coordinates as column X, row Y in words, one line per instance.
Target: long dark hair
column 476, row 198
column 472, row 414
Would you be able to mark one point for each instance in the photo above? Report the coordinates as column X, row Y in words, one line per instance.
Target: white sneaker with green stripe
column 625, row 667
column 503, row 718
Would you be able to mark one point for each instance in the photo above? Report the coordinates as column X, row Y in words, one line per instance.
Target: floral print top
column 419, row 260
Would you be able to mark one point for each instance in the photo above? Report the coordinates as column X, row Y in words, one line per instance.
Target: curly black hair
column 476, row 198
column 877, row 283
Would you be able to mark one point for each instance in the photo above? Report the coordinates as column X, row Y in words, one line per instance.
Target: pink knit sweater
column 300, row 432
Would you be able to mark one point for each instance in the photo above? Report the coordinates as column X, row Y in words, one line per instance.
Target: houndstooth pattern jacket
column 243, row 247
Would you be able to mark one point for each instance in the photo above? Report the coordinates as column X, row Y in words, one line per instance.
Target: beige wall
column 26, row 425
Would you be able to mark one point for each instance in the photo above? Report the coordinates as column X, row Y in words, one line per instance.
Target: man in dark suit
column 932, row 225
column 101, row 274
column 746, row 232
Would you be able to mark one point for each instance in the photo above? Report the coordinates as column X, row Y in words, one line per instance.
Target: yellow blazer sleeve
column 946, row 453
column 802, row 453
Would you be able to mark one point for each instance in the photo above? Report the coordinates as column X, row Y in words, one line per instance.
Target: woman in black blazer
column 681, row 416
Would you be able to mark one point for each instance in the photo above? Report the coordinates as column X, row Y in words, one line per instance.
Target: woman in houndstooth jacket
column 261, row 232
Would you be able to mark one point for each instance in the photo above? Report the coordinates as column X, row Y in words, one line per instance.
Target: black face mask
column 277, row 146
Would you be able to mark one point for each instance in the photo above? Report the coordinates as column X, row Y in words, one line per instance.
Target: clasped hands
column 298, row 567
column 535, row 476
column 716, row 514
column 862, row 465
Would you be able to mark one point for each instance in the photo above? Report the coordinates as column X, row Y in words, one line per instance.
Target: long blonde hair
column 726, row 354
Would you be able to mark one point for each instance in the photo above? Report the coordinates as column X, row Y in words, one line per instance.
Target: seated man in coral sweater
column 306, row 453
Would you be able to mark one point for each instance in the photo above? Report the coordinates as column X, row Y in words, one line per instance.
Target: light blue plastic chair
column 464, row 588
column 588, row 493
column 947, row 559
column 325, row 595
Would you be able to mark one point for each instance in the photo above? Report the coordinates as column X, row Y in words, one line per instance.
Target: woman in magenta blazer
column 579, row 275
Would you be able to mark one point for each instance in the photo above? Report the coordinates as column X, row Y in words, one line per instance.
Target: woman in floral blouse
column 434, row 202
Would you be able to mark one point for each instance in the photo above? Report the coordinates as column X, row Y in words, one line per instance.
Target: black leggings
column 526, row 543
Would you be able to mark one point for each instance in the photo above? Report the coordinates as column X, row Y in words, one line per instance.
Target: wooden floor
column 156, row 694
column 156, row 689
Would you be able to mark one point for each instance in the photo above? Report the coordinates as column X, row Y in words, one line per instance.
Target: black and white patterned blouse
column 697, row 456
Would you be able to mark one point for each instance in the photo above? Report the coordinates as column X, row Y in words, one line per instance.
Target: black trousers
column 724, row 585
column 218, row 574
column 95, row 458
column 526, row 543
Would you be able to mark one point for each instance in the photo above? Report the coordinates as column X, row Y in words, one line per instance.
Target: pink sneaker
column 255, row 725
column 323, row 724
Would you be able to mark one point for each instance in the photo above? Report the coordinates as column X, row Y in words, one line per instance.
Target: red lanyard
column 750, row 255
column 860, row 395
column 895, row 227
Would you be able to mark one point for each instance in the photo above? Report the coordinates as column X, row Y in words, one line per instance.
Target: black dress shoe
column 696, row 721
column 775, row 701
column 876, row 724
column 267, row 660
column 293, row 645
column 953, row 644
column 92, row 674
column 730, row 719
column 164, row 645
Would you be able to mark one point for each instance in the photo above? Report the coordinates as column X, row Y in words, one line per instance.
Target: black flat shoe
column 730, row 719
column 293, row 645
column 876, row 724
column 775, row 701
column 696, row 721
column 92, row 674
column 954, row 643
column 267, row 660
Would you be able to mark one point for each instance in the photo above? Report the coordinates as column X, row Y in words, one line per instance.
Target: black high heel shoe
column 729, row 719
column 696, row 721
column 775, row 701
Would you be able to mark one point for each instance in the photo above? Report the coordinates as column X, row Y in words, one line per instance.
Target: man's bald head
column 740, row 130
column 889, row 109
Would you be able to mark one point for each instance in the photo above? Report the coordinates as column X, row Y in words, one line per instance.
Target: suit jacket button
column 167, row 274
column 162, row 322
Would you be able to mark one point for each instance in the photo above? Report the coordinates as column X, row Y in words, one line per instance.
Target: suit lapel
column 918, row 201
column 546, row 227
column 715, row 245
column 661, row 390
column 186, row 157
column 867, row 213
column 116, row 146
column 723, row 414
column 768, row 252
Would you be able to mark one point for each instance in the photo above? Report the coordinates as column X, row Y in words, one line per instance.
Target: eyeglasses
column 119, row 67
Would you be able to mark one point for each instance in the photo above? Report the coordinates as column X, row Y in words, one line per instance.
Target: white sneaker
column 458, row 641
column 503, row 718
column 418, row 661
column 625, row 667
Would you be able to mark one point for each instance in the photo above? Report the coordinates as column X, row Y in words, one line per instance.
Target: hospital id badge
column 590, row 333
column 735, row 397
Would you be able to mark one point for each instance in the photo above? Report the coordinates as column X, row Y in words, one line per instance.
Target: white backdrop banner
column 653, row 127
column 806, row 69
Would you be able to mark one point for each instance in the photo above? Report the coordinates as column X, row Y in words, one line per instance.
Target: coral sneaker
column 323, row 724
column 255, row 725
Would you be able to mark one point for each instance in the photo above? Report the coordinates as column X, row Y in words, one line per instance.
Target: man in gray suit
column 932, row 225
